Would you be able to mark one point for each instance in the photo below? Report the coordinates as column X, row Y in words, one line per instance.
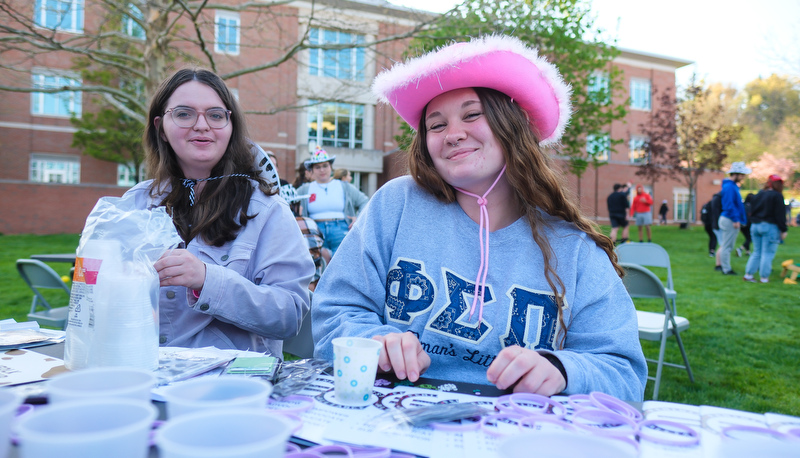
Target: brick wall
column 36, row 208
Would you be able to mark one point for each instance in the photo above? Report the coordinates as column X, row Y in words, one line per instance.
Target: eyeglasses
column 216, row 118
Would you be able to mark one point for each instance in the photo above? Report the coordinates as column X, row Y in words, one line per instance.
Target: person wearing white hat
column 733, row 214
column 333, row 204
column 479, row 266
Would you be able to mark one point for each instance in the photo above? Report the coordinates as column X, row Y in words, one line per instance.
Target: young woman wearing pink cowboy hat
column 478, row 266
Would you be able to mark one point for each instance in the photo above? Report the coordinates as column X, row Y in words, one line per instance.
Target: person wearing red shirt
column 640, row 210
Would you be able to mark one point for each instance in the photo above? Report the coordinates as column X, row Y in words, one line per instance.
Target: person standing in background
column 663, row 212
column 733, row 214
column 706, row 218
column 768, row 229
column 343, row 174
column 748, row 208
column 640, row 210
column 333, row 204
column 618, row 212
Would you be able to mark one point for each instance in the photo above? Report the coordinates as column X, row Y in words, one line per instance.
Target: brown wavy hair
column 538, row 185
column 220, row 211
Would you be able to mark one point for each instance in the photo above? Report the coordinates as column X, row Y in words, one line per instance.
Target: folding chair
column 649, row 255
column 642, row 283
column 302, row 344
column 39, row 275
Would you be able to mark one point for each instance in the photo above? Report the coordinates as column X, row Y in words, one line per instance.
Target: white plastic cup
column 355, row 363
column 9, row 402
column 101, row 382
column 232, row 433
column 96, row 428
column 215, row 393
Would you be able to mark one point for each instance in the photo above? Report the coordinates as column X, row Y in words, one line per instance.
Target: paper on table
column 23, row 366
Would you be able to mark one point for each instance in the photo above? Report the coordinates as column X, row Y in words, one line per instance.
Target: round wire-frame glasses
column 216, row 118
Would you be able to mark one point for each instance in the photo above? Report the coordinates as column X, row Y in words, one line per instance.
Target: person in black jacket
column 705, row 217
column 618, row 205
column 768, row 229
column 745, row 229
column 716, row 210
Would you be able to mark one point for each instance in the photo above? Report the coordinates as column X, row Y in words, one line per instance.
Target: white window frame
column 70, row 101
column 681, row 205
column 131, row 27
column 73, row 17
column 599, row 84
column 637, row 155
column 316, row 117
column 124, row 176
column 598, row 146
column 641, row 94
column 54, row 168
column 233, row 21
column 344, row 64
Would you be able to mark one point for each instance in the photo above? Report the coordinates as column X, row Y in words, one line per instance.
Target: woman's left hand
column 181, row 268
column 527, row 371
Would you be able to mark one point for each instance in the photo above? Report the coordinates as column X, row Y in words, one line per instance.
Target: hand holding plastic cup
column 355, row 363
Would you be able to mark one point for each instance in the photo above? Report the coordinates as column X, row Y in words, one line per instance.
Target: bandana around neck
column 190, row 183
column 483, row 227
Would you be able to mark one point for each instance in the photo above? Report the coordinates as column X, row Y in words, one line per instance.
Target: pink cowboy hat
column 497, row 62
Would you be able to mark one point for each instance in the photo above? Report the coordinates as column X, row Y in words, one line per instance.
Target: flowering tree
column 768, row 165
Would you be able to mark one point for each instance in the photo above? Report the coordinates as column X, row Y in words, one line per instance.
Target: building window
column 126, row 174
column 65, row 15
column 598, row 146
column 227, row 26
column 640, row 94
column 336, row 124
column 129, row 26
column 638, row 148
column 344, row 64
column 598, row 87
column 682, row 206
column 55, row 169
column 63, row 104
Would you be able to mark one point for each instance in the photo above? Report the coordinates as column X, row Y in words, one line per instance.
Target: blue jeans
column 766, row 238
column 333, row 233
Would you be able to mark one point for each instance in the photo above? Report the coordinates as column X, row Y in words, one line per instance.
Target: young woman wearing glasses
column 242, row 279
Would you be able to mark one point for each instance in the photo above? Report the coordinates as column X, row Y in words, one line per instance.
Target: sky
column 730, row 41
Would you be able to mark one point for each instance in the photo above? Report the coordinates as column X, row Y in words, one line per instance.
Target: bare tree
column 687, row 136
column 122, row 58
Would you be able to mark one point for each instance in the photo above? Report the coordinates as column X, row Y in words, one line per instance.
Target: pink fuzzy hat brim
column 497, row 62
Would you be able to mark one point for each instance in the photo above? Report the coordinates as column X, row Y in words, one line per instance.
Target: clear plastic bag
column 113, row 311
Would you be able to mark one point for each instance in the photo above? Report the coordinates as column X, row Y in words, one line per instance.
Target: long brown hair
column 221, row 210
column 538, row 186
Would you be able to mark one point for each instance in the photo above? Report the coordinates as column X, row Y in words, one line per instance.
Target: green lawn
column 742, row 343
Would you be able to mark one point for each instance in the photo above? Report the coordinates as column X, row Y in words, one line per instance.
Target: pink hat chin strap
column 483, row 270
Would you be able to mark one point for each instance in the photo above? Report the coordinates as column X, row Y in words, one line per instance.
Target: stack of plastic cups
column 126, row 327
column 96, row 257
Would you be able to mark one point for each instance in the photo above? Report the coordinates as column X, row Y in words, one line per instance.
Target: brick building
column 49, row 187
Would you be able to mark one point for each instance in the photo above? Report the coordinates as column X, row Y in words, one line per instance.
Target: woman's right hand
column 403, row 354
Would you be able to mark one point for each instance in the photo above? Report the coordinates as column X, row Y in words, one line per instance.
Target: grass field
column 742, row 343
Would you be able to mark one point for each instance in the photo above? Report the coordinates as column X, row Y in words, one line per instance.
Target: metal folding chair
column 642, row 283
column 649, row 255
column 38, row 276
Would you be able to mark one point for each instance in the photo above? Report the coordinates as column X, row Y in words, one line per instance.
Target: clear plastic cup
column 355, row 364
column 9, row 402
column 232, row 433
column 97, row 428
column 101, row 382
column 216, row 393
